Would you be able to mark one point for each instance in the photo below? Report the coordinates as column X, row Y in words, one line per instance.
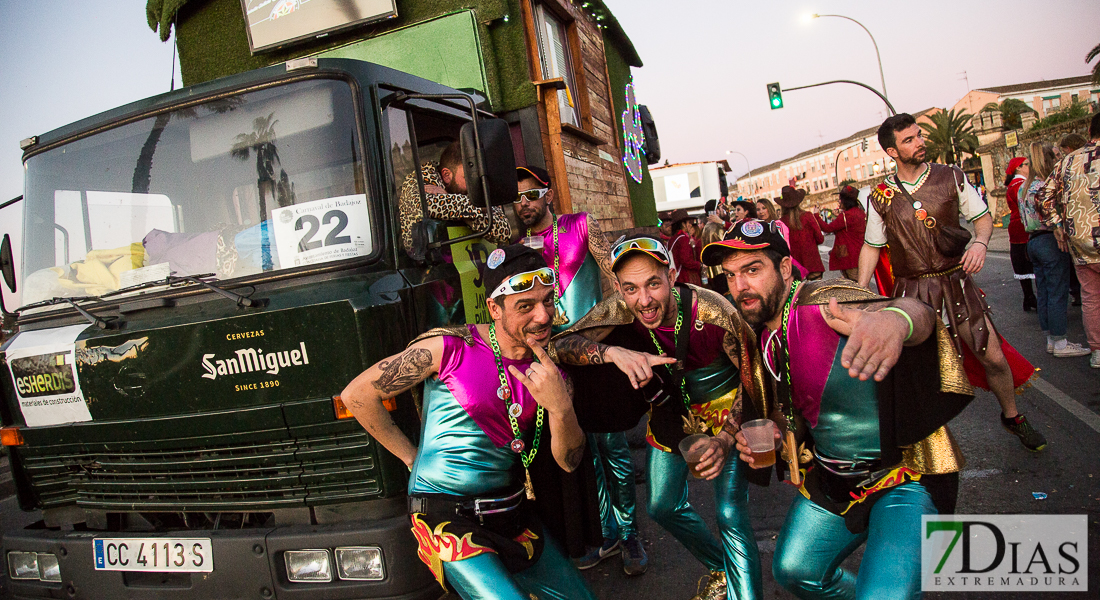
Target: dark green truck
column 201, row 272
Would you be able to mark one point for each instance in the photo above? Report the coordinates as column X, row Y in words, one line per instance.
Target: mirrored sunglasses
column 531, row 195
column 649, row 245
column 517, row 284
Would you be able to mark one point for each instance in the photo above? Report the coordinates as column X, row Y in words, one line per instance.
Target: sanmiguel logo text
column 250, row 360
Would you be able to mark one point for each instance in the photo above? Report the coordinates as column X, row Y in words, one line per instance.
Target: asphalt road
column 999, row 478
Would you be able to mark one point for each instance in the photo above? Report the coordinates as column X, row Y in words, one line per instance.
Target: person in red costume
column 805, row 234
column 684, row 248
column 848, row 228
column 1016, row 174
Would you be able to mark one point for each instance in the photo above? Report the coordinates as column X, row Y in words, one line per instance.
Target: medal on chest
column 513, row 409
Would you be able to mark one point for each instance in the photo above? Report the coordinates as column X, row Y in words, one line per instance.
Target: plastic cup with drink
column 692, row 448
column 760, row 436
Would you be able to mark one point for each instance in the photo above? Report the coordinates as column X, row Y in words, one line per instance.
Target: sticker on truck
column 43, row 369
column 322, row 231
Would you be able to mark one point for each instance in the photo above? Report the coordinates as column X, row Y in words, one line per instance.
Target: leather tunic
column 912, row 245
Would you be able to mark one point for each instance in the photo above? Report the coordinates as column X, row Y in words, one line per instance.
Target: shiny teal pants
column 614, row 484
column 668, row 505
column 484, row 577
column 814, row 542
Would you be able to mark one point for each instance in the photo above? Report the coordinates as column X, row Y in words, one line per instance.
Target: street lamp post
column 879, row 57
column 749, row 168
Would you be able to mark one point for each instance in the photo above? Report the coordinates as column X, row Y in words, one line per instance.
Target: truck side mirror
column 7, row 263
column 493, row 165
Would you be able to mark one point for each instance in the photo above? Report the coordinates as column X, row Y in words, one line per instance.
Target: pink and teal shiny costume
column 710, row 377
column 464, row 451
column 842, row 413
column 579, row 288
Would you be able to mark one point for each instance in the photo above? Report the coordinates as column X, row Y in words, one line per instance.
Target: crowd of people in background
column 1049, row 256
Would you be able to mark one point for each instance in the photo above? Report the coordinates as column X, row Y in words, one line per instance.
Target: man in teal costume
column 877, row 452
column 708, row 352
column 488, row 392
column 575, row 247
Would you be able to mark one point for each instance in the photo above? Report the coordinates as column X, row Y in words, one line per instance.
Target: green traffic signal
column 775, row 95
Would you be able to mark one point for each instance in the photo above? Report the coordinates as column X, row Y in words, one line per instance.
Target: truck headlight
column 360, row 563
column 48, row 568
column 308, row 565
column 23, row 565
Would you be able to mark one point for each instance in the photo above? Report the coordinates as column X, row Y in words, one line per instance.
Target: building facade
column 857, row 157
column 557, row 71
column 1044, row 97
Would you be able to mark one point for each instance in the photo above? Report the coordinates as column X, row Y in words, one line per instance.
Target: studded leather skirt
column 953, row 294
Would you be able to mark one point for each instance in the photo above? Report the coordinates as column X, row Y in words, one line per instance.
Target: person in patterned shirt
column 1069, row 201
column 445, row 187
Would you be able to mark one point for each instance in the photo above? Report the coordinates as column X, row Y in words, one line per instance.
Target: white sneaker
column 1094, row 362
column 1071, row 350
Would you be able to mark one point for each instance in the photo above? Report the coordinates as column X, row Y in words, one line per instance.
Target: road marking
column 1074, row 407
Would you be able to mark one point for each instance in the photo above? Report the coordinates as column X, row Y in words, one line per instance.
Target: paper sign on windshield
column 43, row 368
column 322, row 231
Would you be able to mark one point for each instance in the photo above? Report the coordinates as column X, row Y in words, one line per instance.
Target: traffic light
column 775, row 95
column 863, row 146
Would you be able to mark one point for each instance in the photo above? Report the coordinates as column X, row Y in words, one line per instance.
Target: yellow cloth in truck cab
column 99, row 272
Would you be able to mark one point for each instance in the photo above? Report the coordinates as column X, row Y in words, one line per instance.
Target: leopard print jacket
column 445, row 207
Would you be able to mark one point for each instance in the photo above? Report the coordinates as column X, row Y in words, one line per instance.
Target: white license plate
column 154, row 554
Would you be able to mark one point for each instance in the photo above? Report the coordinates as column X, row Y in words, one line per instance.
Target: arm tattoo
column 579, row 350
column 573, row 456
column 732, row 348
column 598, row 247
column 404, row 371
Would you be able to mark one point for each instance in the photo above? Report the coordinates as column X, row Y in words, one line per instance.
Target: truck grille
column 268, row 471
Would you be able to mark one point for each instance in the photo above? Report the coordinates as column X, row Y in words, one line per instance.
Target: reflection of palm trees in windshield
column 262, row 141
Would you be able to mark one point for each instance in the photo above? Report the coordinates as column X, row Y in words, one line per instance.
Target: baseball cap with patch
column 749, row 234
column 532, row 172
column 508, row 261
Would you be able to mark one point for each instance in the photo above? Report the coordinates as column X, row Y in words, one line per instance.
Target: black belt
column 847, row 468
column 469, row 507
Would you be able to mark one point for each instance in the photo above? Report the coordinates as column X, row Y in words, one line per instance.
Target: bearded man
column 917, row 213
column 691, row 355
column 481, row 429
column 877, row 452
column 574, row 245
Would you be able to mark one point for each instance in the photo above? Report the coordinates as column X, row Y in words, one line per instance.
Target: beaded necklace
column 675, row 338
column 560, row 318
column 784, row 366
column 514, row 410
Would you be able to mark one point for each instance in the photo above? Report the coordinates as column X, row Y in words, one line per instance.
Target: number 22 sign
column 322, row 231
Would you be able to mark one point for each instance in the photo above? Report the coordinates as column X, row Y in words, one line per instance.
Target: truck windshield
column 266, row 180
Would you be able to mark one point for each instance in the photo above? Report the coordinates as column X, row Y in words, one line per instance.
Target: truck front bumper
column 248, row 564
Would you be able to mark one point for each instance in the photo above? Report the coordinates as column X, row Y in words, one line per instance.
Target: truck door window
column 430, row 133
column 267, row 180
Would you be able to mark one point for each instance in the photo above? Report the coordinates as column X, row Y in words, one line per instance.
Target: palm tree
column 1010, row 110
column 1095, row 68
column 949, row 136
